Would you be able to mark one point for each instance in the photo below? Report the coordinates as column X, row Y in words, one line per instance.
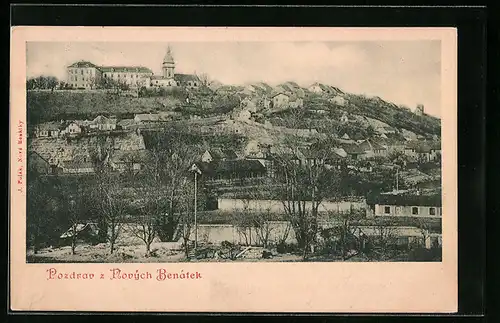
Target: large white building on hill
column 86, row 75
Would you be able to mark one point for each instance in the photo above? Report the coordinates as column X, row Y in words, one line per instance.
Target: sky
column 402, row 72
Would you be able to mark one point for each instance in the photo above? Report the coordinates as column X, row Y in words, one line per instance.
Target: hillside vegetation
column 60, row 105
column 50, row 106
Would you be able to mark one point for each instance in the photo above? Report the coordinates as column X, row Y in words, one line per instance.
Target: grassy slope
column 45, row 106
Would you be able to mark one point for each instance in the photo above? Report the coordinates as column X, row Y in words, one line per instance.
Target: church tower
column 168, row 65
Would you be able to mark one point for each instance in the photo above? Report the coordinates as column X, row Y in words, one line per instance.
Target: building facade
column 83, row 75
column 405, row 205
column 280, row 100
column 86, row 75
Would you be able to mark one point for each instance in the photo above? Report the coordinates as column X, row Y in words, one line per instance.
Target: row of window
column 416, row 210
column 124, row 75
column 81, row 71
column 80, row 85
column 83, row 78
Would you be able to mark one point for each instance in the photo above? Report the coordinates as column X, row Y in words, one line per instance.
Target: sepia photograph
column 263, row 169
column 234, row 151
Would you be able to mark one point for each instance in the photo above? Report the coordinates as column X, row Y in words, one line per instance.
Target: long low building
column 405, row 204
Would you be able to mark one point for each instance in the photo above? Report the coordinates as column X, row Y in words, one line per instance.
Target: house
column 83, row 231
column 320, row 155
column 242, row 115
column 249, row 105
column 418, row 150
column 296, row 102
column 353, row 150
column 253, row 149
column 123, row 160
column 435, row 150
column 48, row 129
column 280, row 100
column 231, row 169
column 188, row 80
column 313, row 156
column 344, row 118
column 346, row 137
column 265, row 102
column 73, row 128
column 103, row 124
column 338, row 100
column 404, row 204
column 372, row 149
column 321, row 88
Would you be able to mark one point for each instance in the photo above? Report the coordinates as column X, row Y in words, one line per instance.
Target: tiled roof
column 125, row 69
column 103, row 120
column 352, row 149
column 83, row 64
column 371, row 145
column 186, row 78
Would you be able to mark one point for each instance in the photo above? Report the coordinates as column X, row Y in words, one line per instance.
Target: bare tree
column 205, row 79
column 109, row 198
column 302, row 188
column 75, row 209
column 263, row 228
column 346, row 232
column 242, row 221
column 257, row 219
column 144, row 225
column 169, row 163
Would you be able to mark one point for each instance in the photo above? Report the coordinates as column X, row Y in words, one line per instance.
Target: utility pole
column 196, row 171
column 195, row 208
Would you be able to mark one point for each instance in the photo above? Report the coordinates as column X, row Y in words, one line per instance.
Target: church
column 169, row 78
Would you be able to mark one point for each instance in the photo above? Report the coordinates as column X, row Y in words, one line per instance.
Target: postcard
column 233, row 169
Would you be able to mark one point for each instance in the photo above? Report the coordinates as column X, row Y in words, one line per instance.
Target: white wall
column 226, row 204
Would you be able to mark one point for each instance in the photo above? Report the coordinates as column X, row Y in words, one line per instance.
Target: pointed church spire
column 168, row 56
